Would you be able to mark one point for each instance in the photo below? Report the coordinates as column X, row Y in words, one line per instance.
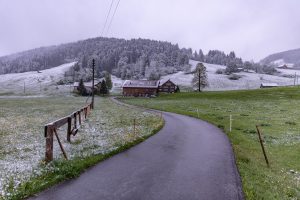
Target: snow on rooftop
column 269, row 84
column 141, row 83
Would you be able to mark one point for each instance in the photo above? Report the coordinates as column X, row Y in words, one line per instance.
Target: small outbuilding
column 142, row 88
column 268, row 85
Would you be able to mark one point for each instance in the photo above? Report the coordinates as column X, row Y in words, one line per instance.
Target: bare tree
column 200, row 77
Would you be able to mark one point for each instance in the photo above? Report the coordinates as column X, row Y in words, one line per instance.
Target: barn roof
column 141, row 84
column 168, row 81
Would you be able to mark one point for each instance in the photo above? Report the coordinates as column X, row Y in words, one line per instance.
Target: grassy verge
column 274, row 110
column 107, row 131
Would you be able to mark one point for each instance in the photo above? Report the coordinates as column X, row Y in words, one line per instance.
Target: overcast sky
column 252, row 28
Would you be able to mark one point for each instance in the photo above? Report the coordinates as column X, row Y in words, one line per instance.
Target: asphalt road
column 188, row 159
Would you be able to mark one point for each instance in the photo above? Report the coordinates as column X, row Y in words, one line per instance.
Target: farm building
column 268, row 85
column 168, row 87
column 88, row 86
column 140, row 88
column 146, row 88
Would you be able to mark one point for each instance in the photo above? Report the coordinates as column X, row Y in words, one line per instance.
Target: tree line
column 135, row 58
column 232, row 62
column 126, row 59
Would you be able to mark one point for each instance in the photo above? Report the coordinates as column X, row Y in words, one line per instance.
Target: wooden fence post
column 75, row 120
column 230, row 123
column 84, row 111
column 134, row 126
column 49, row 143
column 262, row 146
column 79, row 117
column 69, row 129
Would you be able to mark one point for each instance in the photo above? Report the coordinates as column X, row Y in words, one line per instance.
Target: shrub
column 234, row 77
column 220, row 71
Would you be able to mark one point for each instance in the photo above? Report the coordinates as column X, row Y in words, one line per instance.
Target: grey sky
column 252, row 28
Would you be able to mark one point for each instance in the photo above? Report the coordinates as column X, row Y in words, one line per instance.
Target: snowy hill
column 286, row 57
column 35, row 82
column 221, row 81
column 45, row 82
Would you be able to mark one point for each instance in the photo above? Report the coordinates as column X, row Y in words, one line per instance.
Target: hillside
column 37, row 83
column 248, row 80
column 45, row 82
column 125, row 58
column 285, row 57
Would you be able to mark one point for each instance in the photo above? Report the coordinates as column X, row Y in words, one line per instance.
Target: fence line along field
column 22, row 141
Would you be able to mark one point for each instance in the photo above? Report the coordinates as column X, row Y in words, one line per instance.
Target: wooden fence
column 51, row 130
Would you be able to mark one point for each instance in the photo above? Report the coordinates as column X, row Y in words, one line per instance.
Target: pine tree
column 177, row 89
column 103, row 88
column 108, row 80
column 200, row 77
column 201, row 56
column 231, row 68
column 81, row 88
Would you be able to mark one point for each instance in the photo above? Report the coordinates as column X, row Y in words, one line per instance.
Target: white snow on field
column 42, row 82
column 221, row 81
column 289, row 71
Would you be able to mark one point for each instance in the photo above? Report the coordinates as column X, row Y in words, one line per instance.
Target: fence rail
column 51, row 129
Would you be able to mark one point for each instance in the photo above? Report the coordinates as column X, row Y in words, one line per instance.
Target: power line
column 112, row 17
column 112, row 2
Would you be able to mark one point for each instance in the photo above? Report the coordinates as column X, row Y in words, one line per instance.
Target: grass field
column 108, row 130
column 277, row 111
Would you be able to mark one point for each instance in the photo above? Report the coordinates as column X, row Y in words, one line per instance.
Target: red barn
column 140, row 88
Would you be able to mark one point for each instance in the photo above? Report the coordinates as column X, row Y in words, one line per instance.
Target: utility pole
column 199, row 80
column 93, row 64
column 24, row 87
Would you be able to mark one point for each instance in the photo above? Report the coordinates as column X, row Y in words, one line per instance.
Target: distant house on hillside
column 140, row 88
column 168, row 87
column 268, row 85
column 88, row 86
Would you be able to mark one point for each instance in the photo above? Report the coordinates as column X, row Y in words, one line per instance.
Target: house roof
column 86, row 84
column 168, row 81
column 140, row 84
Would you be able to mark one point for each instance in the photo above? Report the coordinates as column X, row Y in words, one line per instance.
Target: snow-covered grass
column 221, row 81
column 22, row 142
column 36, row 82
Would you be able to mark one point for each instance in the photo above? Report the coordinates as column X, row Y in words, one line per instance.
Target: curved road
column 188, row 159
